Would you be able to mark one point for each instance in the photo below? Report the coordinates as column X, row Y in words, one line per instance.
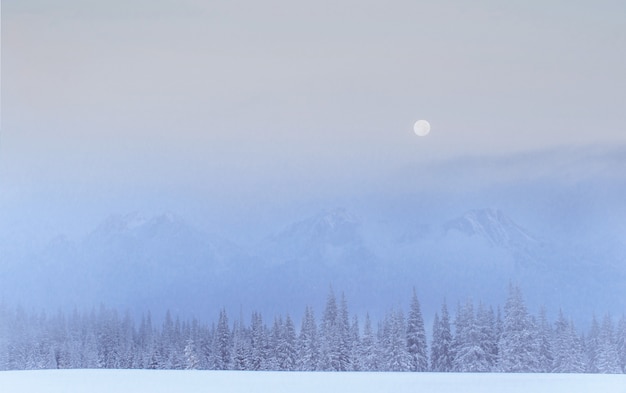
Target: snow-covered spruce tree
column 241, row 346
column 416, row 337
column 88, row 345
column 355, row 339
column 330, row 336
column 518, row 349
column 109, row 345
column 55, row 333
column 258, row 343
column 620, row 342
column 567, row 352
column 469, row 351
column 191, row 355
column 487, row 337
column 435, row 350
column 128, row 341
column 394, row 348
column 171, row 344
column 275, row 337
column 607, row 356
column 222, row 343
column 545, row 360
column 369, row 358
column 592, row 346
column 288, row 346
column 282, row 345
column 441, row 354
column 206, row 352
column 307, row 347
column 145, row 341
column 343, row 334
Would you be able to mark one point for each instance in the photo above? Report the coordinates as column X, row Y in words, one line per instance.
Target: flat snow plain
column 147, row 381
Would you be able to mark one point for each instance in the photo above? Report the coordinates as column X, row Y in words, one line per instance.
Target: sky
column 227, row 110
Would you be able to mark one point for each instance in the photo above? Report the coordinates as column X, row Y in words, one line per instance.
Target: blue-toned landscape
column 313, row 186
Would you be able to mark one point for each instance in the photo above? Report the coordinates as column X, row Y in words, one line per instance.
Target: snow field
column 149, row 381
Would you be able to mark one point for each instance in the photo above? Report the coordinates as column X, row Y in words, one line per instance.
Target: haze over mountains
column 162, row 262
column 553, row 223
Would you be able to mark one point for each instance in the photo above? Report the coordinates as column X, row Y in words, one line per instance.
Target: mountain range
column 163, row 262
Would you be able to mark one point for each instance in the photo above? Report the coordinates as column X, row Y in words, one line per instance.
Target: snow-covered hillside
column 143, row 381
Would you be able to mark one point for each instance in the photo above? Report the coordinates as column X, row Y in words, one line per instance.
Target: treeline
column 483, row 340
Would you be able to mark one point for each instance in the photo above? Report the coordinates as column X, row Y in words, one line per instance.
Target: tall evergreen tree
column 394, row 347
column 343, row 336
column 369, row 358
column 356, row 349
column 567, row 351
column 592, row 347
column 518, row 349
column 545, row 361
column 275, row 339
column 258, row 343
column 287, row 346
column 469, row 351
column 308, row 356
column 192, row 361
column 442, row 356
column 222, row 343
column 487, row 336
column 416, row 337
column 607, row 356
column 330, row 340
column 620, row 342
column 241, row 346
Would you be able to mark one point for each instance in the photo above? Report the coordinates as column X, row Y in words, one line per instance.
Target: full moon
column 421, row 128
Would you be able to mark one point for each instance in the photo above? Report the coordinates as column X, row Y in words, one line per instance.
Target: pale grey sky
column 121, row 103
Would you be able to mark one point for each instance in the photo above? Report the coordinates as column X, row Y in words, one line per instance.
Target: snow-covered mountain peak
column 135, row 222
column 492, row 224
column 122, row 223
column 337, row 218
column 337, row 225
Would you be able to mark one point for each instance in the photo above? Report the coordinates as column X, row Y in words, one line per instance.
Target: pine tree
column 416, row 337
column 241, row 346
column 330, row 345
column 222, row 343
column 191, row 355
column 275, row 337
column 109, row 347
column 620, row 342
column 518, row 349
column 592, row 346
column 545, row 338
column 442, row 355
column 369, row 359
column 469, row 351
column 487, row 337
column 308, row 355
column 607, row 356
column 356, row 349
column 145, row 341
column 287, row 346
column 396, row 356
column 567, row 351
column 207, row 352
column 258, row 344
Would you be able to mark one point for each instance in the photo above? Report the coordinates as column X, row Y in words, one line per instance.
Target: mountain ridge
column 164, row 260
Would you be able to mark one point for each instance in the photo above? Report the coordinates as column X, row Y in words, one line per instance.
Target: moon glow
column 421, row 128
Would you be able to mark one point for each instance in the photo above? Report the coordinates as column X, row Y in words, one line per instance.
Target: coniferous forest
column 476, row 338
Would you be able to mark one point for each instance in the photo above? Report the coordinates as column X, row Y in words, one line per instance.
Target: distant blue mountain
column 163, row 262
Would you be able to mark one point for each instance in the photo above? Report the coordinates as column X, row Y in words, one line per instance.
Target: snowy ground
column 145, row 381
